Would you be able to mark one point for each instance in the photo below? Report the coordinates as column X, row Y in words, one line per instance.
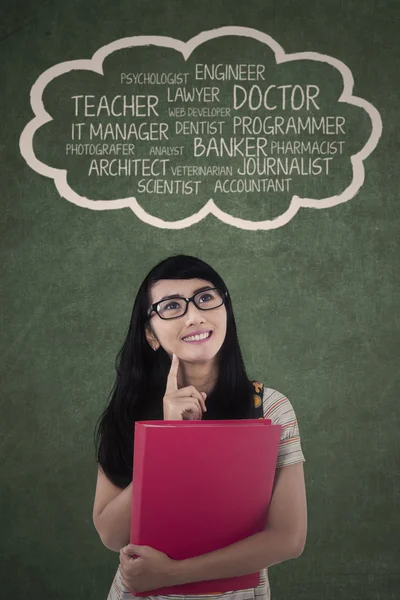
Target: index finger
column 172, row 379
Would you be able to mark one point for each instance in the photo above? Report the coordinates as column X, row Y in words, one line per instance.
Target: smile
column 198, row 338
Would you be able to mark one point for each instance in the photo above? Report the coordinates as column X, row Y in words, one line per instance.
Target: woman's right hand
column 181, row 404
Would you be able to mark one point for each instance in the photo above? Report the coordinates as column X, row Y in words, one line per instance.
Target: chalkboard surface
column 278, row 170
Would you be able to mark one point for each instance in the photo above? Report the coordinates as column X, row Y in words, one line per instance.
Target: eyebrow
column 202, row 289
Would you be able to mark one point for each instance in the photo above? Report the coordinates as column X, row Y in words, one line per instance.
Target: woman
column 181, row 360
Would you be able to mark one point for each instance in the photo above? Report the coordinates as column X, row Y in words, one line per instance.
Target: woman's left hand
column 151, row 570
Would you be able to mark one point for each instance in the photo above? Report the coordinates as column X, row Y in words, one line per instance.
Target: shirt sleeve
column 279, row 409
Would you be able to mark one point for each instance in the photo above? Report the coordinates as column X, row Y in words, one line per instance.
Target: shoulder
column 276, row 405
column 278, row 408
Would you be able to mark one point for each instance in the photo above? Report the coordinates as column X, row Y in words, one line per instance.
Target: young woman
column 181, row 360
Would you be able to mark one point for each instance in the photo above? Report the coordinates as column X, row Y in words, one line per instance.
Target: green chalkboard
column 307, row 244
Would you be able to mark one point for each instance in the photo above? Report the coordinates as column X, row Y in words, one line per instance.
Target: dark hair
column 139, row 387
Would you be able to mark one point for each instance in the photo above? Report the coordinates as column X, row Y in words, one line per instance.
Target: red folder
column 199, row 486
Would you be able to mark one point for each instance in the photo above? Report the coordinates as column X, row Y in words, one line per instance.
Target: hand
column 184, row 404
column 151, row 570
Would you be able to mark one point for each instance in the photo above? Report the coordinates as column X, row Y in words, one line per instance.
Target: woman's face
column 176, row 335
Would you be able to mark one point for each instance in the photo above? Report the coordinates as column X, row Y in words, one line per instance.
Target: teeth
column 196, row 338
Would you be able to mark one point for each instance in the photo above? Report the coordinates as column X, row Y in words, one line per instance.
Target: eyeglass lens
column 175, row 307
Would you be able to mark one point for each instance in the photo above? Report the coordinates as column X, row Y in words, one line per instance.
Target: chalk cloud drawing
column 95, row 64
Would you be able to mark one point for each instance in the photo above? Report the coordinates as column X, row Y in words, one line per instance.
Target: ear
column 151, row 338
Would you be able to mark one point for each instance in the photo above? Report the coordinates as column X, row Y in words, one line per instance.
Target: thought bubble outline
column 95, row 64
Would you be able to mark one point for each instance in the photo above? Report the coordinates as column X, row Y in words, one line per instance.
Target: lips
column 198, row 336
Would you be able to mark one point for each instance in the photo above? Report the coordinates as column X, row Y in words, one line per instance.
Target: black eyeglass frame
column 154, row 307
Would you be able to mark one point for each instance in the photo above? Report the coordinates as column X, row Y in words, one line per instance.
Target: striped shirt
column 279, row 409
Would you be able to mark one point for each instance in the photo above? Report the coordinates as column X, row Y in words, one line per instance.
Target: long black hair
column 139, row 388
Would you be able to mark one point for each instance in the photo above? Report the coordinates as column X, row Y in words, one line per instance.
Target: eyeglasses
column 175, row 307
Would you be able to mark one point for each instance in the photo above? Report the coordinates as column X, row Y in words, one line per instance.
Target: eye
column 206, row 297
column 171, row 305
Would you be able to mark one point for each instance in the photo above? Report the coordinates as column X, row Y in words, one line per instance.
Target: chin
column 197, row 359
column 198, row 354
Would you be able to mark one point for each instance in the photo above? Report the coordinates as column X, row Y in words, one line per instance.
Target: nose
column 194, row 314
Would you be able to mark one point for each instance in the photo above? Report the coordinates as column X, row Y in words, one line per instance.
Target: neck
column 202, row 375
